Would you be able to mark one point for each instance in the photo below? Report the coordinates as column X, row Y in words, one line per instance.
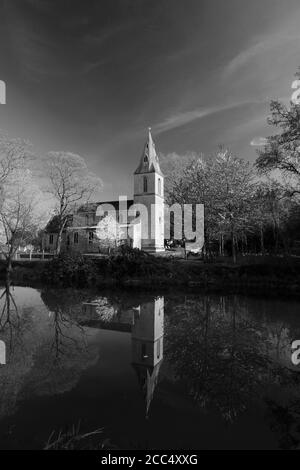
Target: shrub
column 126, row 261
column 69, row 269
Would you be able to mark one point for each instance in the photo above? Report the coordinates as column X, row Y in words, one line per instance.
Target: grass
column 75, row 440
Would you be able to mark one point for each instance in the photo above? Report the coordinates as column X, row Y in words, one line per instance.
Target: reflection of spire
column 147, row 346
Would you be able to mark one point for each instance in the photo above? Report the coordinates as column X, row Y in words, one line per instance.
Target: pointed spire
column 148, row 379
column 149, row 161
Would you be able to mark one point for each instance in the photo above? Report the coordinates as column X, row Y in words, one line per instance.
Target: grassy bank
column 132, row 268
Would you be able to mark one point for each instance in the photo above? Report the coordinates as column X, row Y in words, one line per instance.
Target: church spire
column 149, row 161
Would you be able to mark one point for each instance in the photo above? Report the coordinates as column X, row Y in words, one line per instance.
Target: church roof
column 92, row 206
column 149, row 160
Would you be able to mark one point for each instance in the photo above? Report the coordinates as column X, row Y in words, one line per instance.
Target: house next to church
column 142, row 228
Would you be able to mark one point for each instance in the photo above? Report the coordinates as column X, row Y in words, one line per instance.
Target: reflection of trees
column 48, row 348
column 68, row 335
column 63, row 353
column 14, row 328
column 62, row 340
column 67, row 300
column 221, row 352
column 9, row 318
column 6, row 317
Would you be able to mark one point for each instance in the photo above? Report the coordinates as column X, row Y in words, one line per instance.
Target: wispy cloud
column 99, row 38
column 258, row 142
column 183, row 118
column 258, row 49
column 281, row 40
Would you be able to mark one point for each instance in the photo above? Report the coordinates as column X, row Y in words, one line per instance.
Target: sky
column 91, row 76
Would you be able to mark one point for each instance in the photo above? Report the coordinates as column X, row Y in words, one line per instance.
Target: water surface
column 168, row 371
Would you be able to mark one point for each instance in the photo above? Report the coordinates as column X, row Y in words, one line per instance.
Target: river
column 165, row 371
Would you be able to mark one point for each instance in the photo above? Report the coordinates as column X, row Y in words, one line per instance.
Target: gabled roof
column 92, row 206
column 149, row 160
column 53, row 224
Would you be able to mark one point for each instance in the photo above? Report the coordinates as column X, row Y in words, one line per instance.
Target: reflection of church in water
column 147, row 345
column 146, row 324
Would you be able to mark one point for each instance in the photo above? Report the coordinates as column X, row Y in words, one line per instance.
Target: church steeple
column 149, row 193
column 149, row 160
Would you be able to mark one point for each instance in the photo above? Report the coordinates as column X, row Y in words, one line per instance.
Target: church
column 140, row 220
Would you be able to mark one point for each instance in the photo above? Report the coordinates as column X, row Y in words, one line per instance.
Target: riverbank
column 252, row 274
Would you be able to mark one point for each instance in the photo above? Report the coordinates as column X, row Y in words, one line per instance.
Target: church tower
column 149, row 192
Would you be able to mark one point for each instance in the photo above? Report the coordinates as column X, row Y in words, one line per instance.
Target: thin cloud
column 284, row 38
column 259, row 48
column 100, row 38
column 181, row 119
column 258, row 142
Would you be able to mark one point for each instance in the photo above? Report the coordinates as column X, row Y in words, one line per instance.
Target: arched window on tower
column 145, row 184
column 159, row 186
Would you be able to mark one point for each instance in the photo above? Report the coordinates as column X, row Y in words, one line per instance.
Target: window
column 145, row 159
column 68, row 240
column 159, row 186
column 145, row 184
column 91, row 237
column 51, row 239
column 76, row 237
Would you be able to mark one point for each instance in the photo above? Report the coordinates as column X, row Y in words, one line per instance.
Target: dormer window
column 145, row 159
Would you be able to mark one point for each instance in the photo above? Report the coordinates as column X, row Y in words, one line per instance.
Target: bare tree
column 71, row 184
column 14, row 154
column 18, row 202
column 21, row 213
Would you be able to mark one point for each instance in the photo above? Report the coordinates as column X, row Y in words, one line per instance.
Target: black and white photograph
column 149, row 228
